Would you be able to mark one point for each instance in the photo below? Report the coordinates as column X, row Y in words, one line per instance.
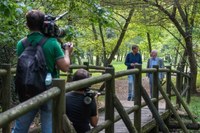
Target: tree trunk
column 176, row 56
column 79, row 60
column 122, row 57
column 193, row 64
column 182, row 61
column 184, row 24
column 98, row 61
column 121, row 36
column 105, row 62
column 96, row 38
column 90, row 57
column 149, row 42
column 118, row 56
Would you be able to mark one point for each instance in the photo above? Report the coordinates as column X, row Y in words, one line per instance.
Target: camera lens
column 60, row 33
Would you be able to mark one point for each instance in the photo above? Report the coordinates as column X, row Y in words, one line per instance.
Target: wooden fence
column 60, row 87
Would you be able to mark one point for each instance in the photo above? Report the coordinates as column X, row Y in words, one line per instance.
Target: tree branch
column 184, row 17
column 174, row 11
column 174, row 36
column 121, row 35
column 194, row 12
column 171, row 17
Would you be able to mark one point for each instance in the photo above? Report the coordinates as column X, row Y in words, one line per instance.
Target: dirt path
column 121, row 90
column 122, row 87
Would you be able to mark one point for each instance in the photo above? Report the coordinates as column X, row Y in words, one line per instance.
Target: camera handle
column 60, row 16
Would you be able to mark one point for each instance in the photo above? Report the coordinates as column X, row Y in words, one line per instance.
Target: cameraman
column 81, row 114
column 55, row 58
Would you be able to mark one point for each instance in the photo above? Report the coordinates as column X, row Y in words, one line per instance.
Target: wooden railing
column 57, row 94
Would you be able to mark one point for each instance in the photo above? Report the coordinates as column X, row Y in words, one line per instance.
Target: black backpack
column 31, row 70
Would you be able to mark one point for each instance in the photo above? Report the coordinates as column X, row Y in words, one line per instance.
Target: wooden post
column 173, row 109
column 59, row 106
column 109, row 105
column 168, row 84
column 189, row 90
column 155, row 86
column 124, row 115
column 137, row 93
column 155, row 112
column 181, row 83
column 6, row 93
column 87, row 65
column 155, row 92
column 178, row 86
column 184, row 86
column 68, row 126
column 168, row 90
column 184, row 105
column 69, row 77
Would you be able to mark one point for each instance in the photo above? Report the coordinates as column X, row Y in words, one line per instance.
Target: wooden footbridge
column 138, row 116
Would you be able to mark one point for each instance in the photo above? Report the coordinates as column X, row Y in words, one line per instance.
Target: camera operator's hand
column 68, row 47
column 63, row 64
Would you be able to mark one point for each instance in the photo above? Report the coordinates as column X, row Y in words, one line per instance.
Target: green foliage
column 99, row 14
column 119, row 66
column 82, row 14
column 71, row 33
column 12, row 27
column 7, row 8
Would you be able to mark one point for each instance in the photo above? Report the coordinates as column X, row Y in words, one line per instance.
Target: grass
column 195, row 107
column 120, row 66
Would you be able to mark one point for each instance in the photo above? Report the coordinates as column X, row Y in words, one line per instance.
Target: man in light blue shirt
column 154, row 60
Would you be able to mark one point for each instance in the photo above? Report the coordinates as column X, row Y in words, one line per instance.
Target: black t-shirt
column 78, row 112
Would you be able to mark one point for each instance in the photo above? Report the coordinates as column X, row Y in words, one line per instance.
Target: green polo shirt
column 52, row 50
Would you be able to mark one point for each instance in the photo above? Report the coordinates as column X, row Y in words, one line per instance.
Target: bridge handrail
column 133, row 71
column 47, row 95
column 11, row 114
column 70, row 86
column 24, row 107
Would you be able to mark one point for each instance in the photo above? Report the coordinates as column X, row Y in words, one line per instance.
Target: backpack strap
column 42, row 41
column 26, row 43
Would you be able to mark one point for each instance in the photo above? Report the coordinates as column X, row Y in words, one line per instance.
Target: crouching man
column 80, row 109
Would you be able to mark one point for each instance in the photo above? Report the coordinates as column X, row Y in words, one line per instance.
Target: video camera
column 50, row 28
column 90, row 94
